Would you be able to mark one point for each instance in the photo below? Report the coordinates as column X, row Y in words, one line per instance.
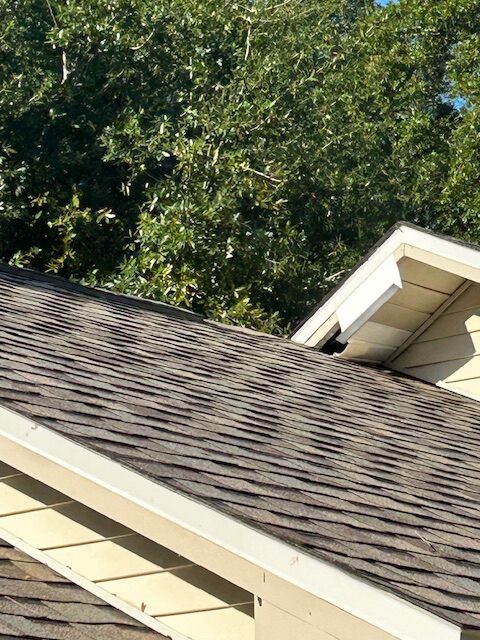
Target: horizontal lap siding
column 449, row 350
column 452, row 324
column 441, row 350
column 394, row 315
column 417, row 298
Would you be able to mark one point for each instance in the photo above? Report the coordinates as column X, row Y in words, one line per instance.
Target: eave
column 143, row 504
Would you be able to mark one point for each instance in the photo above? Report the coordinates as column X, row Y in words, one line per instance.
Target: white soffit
column 359, row 598
column 405, row 241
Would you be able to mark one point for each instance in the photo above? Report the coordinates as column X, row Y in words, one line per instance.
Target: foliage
column 235, row 158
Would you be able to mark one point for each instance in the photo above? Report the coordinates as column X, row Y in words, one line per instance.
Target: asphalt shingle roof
column 36, row 602
column 365, row 468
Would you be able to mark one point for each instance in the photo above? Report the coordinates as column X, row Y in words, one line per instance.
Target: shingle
column 36, row 602
column 363, row 467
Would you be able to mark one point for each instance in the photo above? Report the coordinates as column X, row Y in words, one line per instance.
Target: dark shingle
column 372, row 471
column 36, row 602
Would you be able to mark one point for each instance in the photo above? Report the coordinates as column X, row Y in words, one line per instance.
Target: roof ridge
column 130, row 299
column 101, row 292
column 179, row 312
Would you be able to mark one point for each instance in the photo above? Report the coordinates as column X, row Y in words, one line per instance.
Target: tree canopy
column 236, row 158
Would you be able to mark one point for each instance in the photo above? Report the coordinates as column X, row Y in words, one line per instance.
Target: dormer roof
column 412, row 304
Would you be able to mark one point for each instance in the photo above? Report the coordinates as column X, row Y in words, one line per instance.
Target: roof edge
column 62, row 282
column 402, row 234
column 355, row 595
column 148, row 304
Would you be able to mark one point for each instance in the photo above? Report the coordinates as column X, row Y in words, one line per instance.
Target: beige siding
column 416, row 298
column 376, row 332
column 448, row 351
column 440, row 350
column 469, row 300
column 469, row 387
column 393, row 315
column 177, row 590
column 274, row 623
column 424, row 275
column 227, row 624
column 316, row 613
column 360, row 350
column 452, row 371
column 452, row 324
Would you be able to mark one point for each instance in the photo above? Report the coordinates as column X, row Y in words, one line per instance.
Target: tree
column 236, row 158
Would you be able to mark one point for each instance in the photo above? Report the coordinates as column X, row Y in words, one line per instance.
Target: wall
column 448, row 351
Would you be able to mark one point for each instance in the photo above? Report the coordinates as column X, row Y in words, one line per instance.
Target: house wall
column 168, row 587
column 448, row 351
column 294, row 613
column 272, row 622
column 286, row 611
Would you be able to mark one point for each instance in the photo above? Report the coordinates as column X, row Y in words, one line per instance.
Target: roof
column 372, row 471
column 36, row 602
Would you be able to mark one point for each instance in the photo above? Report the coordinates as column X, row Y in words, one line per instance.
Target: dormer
column 412, row 304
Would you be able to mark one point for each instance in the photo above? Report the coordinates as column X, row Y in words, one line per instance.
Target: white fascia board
column 384, row 251
column 455, row 257
column 380, row 608
column 453, row 252
column 368, row 297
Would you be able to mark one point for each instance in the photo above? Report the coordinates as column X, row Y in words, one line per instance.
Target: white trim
column 456, row 254
column 325, row 332
column 91, row 587
column 389, row 247
column 420, row 245
column 369, row 296
column 354, row 595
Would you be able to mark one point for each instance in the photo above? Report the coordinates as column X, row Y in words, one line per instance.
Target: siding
column 282, row 601
column 448, row 352
column 273, row 622
column 36, row 602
